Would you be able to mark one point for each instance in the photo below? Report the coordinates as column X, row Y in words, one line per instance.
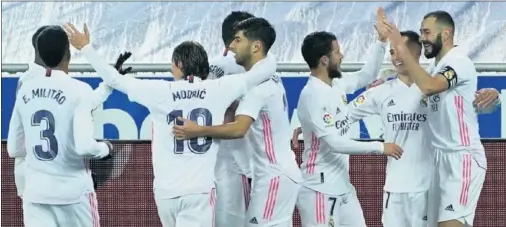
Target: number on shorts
column 46, row 135
column 333, row 200
column 193, row 144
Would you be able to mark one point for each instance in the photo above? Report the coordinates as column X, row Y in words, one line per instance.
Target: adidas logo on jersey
column 391, row 103
column 449, row 208
column 253, row 220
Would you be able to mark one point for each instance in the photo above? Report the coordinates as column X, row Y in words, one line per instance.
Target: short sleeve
column 251, row 104
column 316, row 111
column 458, row 71
column 363, row 106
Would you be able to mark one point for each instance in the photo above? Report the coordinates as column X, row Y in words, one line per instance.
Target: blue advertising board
column 122, row 119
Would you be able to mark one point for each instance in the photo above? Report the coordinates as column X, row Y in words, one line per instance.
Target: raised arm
column 16, row 135
column 148, row 93
column 236, row 85
column 356, row 80
column 85, row 144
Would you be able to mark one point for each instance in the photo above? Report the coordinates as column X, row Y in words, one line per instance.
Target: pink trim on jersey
column 271, row 198
column 95, row 219
column 463, row 130
column 315, row 146
column 246, row 190
column 466, row 178
column 320, row 208
column 269, row 143
column 212, row 202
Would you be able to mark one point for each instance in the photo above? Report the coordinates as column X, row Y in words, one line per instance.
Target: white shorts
column 19, row 175
column 456, row 188
column 232, row 196
column 272, row 202
column 82, row 214
column 404, row 209
column 317, row 209
column 196, row 210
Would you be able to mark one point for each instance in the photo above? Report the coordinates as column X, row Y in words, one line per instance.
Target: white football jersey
column 183, row 167
column 52, row 123
column 269, row 134
column 236, row 150
column 323, row 114
column 453, row 119
column 34, row 70
column 403, row 112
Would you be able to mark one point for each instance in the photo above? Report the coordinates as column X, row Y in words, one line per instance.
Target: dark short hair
column 413, row 38
column 53, row 46
column 315, row 46
column 37, row 33
column 227, row 27
column 258, row 29
column 193, row 58
column 442, row 18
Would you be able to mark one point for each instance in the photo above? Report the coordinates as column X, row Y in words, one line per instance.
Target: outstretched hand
column 120, row 61
column 77, row 38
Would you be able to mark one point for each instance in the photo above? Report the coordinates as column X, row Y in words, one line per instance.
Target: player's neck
column 254, row 59
column 39, row 61
column 444, row 50
column 63, row 67
column 405, row 79
column 322, row 74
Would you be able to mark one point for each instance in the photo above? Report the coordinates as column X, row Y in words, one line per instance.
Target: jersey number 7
column 193, row 144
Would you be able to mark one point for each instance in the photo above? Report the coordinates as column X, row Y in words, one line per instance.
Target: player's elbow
column 14, row 151
column 238, row 132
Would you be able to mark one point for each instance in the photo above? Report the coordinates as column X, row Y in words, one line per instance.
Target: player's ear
column 324, row 60
column 179, row 65
column 257, row 46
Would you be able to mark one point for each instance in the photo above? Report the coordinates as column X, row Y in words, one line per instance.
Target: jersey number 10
column 193, row 144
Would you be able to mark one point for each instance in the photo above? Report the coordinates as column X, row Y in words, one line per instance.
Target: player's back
column 235, row 150
column 55, row 173
column 183, row 167
column 270, row 133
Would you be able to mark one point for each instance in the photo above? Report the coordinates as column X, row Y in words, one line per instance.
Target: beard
column 435, row 47
column 334, row 72
column 241, row 59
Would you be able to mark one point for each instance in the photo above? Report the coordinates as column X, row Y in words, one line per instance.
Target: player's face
column 334, row 65
column 431, row 37
column 396, row 60
column 242, row 48
column 176, row 71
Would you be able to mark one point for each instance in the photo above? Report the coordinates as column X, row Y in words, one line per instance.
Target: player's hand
column 187, row 130
column 111, row 150
column 119, row 63
column 392, row 150
column 383, row 30
column 295, row 137
column 76, row 38
column 486, row 97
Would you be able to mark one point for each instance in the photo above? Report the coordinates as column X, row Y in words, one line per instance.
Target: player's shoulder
column 458, row 58
column 223, row 65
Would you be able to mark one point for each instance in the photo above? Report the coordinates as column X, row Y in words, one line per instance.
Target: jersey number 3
column 46, row 135
column 193, row 144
